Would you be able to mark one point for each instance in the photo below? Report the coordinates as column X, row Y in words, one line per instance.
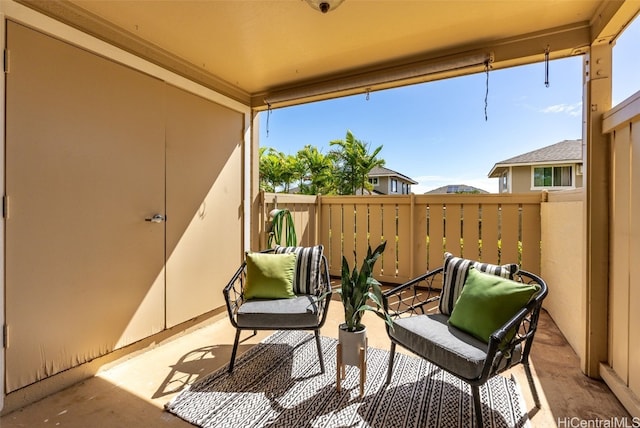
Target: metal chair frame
column 234, row 297
column 419, row 296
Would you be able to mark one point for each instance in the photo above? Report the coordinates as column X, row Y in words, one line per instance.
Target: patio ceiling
column 285, row 52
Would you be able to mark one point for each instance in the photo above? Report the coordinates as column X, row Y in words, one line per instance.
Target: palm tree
column 269, row 175
column 278, row 171
column 346, row 164
column 354, row 163
column 318, row 170
column 288, row 170
column 344, row 170
column 367, row 163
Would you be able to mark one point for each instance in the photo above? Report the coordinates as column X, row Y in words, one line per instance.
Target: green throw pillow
column 270, row 276
column 487, row 302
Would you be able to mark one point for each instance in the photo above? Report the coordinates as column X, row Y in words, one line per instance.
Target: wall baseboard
column 56, row 383
column 627, row 397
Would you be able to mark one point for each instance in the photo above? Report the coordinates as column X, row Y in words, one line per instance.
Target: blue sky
column 436, row 132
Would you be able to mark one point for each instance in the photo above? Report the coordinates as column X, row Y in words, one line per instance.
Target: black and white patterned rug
column 277, row 383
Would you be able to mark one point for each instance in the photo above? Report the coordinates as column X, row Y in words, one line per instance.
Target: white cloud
column 573, row 110
column 430, row 182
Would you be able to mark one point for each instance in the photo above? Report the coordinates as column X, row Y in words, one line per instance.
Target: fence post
column 261, row 229
column 318, row 219
column 412, row 239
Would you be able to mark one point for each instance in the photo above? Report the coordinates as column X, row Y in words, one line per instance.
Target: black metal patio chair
column 422, row 308
column 305, row 310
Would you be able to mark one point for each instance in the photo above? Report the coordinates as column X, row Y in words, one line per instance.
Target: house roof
column 456, row 188
column 276, row 53
column 380, row 171
column 567, row 151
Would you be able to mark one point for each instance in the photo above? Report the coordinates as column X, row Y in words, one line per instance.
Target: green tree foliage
column 318, row 172
column 278, row 171
column 268, row 170
column 353, row 164
column 344, row 170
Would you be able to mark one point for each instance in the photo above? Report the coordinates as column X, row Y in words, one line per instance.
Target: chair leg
column 392, row 354
column 475, row 391
column 319, row 351
column 234, row 351
column 532, row 385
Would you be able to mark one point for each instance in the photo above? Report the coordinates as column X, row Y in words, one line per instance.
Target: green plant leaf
column 283, row 221
column 360, row 287
column 377, row 299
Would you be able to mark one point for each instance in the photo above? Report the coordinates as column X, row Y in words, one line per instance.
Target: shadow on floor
column 195, row 365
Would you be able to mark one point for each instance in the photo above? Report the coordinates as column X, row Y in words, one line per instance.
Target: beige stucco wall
column 199, row 179
column 563, row 250
column 384, row 186
column 521, row 179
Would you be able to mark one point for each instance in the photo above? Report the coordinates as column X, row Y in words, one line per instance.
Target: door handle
column 158, row 218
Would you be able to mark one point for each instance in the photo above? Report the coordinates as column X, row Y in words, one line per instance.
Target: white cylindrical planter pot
column 351, row 343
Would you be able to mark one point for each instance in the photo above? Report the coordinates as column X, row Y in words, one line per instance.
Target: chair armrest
column 412, row 297
column 323, row 293
column 523, row 326
column 234, row 292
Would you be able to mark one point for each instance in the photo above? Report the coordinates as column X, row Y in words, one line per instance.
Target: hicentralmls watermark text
column 614, row 422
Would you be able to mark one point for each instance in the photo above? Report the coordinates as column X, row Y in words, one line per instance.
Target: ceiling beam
column 525, row 49
column 375, row 80
column 611, row 19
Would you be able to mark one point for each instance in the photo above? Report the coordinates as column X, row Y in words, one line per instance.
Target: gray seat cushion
column 298, row 312
column 431, row 337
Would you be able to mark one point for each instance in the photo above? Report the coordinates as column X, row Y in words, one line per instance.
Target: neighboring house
column 555, row 167
column 386, row 181
column 456, row 188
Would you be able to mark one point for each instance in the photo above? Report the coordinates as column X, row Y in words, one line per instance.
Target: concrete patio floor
column 132, row 392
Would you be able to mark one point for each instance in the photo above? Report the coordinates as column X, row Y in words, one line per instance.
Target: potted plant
column 358, row 290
